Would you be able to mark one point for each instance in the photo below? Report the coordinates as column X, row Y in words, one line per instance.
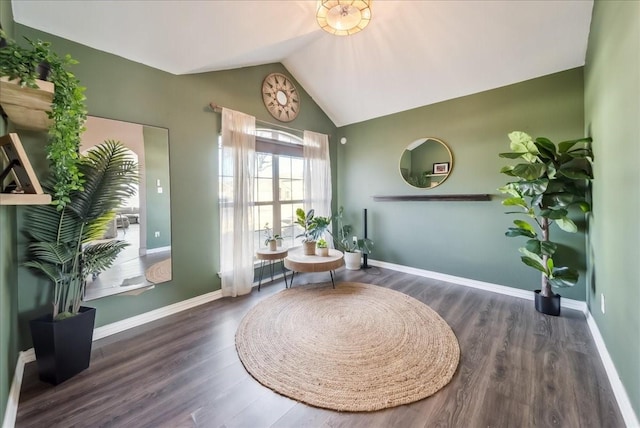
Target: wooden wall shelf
column 19, row 169
column 24, row 199
column 27, row 107
column 474, row 197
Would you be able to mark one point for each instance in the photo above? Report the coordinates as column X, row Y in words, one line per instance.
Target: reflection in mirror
column 144, row 221
column 426, row 163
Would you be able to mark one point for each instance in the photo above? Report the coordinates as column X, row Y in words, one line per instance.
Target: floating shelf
column 22, row 173
column 475, row 197
column 27, row 107
column 24, row 199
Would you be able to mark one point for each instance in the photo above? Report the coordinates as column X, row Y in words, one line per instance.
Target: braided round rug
column 159, row 272
column 358, row 347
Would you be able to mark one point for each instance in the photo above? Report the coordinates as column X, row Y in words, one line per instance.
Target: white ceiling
column 413, row 53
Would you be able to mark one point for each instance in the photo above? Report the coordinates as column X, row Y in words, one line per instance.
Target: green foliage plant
column 313, row 226
column 68, row 111
column 322, row 243
column 65, row 245
column 342, row 236
column 547, row 182
column 269, row 236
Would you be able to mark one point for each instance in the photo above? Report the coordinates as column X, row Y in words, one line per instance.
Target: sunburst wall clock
column 280, row 97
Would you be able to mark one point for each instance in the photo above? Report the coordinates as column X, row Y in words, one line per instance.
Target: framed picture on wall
column 441, row 168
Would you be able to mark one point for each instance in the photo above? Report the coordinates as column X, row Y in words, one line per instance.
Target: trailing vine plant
column 68, row 110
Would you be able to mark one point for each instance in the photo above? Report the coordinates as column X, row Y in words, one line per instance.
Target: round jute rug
column 358, row 347
column 159, row 272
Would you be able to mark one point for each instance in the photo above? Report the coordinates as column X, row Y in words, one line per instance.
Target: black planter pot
column 547, row 305
column 63, row 348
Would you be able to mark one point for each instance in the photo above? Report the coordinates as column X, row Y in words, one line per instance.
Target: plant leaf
column 529, row 171
column 564, row 146
column 567, row 225
column 524, row 225
column 554, row 214
column 533, row 263
column 575, row 174
column 541, row 248
column 512, row 155
column 515, row 201
column 516, row 231
column 533, row 187
column 564, row 277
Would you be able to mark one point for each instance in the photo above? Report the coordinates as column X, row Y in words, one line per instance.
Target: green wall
column 125, row 90
column 612, row 118
column 459, row 238
column 156, row 159
column 8, row 269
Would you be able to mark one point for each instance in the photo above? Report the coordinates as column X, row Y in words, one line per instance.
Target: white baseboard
column 630, row 418
column 14, row 393
column 157, row 250
column 487, row 286
column 29, row 355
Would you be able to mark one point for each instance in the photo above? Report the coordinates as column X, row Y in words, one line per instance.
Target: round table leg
column 261, row 270
column 284, row 273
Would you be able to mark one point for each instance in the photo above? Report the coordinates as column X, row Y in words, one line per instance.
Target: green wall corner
column 612, row 119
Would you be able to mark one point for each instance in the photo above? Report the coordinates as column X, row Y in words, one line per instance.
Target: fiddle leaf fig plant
column 548, row 180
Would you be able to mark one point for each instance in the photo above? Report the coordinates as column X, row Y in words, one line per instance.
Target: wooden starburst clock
column 280, row 97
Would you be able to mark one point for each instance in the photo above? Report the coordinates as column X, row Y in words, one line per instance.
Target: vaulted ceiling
column 413, row 53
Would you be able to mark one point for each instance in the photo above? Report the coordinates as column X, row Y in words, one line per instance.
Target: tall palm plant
column 60, row 241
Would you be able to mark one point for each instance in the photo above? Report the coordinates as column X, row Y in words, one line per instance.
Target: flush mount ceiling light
column 343, row 17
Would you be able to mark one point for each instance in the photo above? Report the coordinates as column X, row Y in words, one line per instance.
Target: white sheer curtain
column 236, row 202
column 317, row 173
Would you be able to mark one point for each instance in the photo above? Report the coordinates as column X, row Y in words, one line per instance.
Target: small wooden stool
column 265, row 254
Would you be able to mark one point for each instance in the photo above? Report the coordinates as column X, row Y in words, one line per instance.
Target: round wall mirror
column 426, row 163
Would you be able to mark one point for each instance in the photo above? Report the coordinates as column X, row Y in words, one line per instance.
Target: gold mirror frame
column 424, row 165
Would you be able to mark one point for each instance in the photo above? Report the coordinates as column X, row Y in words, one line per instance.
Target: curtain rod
column 218, row 109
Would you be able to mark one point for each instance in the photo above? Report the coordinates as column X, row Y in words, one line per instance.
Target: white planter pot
column 352, row 260
column 322, row 252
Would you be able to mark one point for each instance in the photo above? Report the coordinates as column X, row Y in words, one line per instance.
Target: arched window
column 278, row 186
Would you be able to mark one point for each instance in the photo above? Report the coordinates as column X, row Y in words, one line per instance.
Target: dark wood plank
column 517, row 368
column 427, row 198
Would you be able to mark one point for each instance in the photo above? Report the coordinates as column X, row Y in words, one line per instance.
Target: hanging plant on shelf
column 68, row 110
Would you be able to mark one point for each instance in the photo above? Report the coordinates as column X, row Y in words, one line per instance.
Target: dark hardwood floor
column 518, row 368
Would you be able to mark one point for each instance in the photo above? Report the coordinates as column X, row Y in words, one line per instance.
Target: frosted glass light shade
column 343, row 17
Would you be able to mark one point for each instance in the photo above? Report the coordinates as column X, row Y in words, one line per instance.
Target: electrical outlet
column 157, row 234
column 602, row 302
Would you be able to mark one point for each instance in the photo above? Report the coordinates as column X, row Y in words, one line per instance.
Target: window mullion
column 277, row 212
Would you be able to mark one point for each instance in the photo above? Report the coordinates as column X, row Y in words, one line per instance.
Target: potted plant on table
column 549, row 181
column 352, row 246
column 313, row 228
column 271, row 240
column 323, row 247
column 65, row 246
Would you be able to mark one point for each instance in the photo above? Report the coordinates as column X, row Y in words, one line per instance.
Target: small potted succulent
column 323, row 248
column 271, row 240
